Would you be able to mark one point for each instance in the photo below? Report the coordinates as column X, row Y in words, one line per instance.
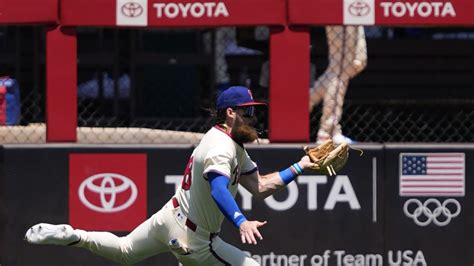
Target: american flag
column 432, row 174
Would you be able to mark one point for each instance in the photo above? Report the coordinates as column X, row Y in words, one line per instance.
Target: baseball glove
column 328, row 159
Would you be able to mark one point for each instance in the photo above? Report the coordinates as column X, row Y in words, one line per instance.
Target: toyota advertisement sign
column 380, row 12
column 142, row 13
column 395, row 205
column 107, row 191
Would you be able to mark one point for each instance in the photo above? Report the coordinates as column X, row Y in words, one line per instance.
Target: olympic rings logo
column 432, row 210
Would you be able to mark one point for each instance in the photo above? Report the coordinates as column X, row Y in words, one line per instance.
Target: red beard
column 244, row 134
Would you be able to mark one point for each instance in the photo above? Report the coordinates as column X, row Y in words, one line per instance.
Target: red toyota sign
column 172, row 13
column 107, row 191
column 381, row 12
column 417, row 12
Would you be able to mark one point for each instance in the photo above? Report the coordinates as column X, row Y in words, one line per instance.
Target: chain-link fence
column 160, row 79
column 158, row 85
column 442, row 121
column 22, row 77
column 402, row 84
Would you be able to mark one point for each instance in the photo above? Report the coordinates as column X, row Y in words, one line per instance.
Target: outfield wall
column 356, row 217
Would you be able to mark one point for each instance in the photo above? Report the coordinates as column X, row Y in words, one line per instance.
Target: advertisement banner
column 381, row 12
column 394, row 205
column 107, row 191
column 318, row 220
column 212, row 13
column 428, row 199
column 453, row 12
column 172, row 13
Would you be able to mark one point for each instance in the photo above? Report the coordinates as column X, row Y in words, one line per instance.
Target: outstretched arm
column 262, row 186
column 226, row 203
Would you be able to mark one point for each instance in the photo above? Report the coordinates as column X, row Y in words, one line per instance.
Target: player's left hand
column 248, row 231
column 305, row 162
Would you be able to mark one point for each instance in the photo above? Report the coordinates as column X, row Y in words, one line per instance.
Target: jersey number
column 186, row 184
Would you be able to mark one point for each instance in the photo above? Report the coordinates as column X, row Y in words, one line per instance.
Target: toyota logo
column 432, row 211
column 359, row 8
column 132, row 9
column 105, row 186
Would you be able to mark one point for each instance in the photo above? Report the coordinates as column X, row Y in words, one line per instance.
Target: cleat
column 50, row 234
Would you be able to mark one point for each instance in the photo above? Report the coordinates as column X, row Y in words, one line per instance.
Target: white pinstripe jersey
column 216, row 152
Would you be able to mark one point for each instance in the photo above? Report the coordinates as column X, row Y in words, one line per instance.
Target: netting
column 158, row 79
column 22, row 66
column 157, row 86
column 402, row 84
column 405, row 122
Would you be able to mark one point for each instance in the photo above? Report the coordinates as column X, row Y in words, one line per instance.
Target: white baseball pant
column 155, row 235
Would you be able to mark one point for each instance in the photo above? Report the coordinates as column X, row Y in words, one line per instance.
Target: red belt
column 190, row 223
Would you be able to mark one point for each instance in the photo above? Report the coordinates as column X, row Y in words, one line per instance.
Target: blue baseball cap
column 236, row 96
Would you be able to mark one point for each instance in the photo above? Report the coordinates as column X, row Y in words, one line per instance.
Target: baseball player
column 188, row 224
column 347, row 58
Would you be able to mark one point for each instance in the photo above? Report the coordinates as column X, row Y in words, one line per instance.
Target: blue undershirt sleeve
column 224, row 199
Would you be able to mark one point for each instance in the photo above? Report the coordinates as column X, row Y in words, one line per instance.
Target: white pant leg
column 201, row 248
column 217, row 253
column 140, row 244
column 230, row 254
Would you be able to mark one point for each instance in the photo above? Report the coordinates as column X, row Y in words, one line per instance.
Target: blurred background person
column 347, row 57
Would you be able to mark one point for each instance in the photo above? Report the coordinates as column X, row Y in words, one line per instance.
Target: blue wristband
column 290, row 173
column 287, row 175
column 298, row 168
